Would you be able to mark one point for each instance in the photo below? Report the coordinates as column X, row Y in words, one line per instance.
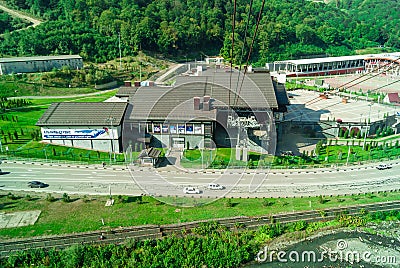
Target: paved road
column 136, row 181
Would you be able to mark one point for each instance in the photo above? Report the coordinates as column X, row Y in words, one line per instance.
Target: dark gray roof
column 126, row 91
column 255, row 89
column 281, row 94
column 39, row 58
column 174, row 103
column 256, row 92
column 83, row 113
column 150, row 152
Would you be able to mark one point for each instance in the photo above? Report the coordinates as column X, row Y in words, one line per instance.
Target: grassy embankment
column 85, row 213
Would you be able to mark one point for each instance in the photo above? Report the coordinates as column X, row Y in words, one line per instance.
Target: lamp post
column 367, row 130
column 348, row 156
column 111, row 119
column 45, row 153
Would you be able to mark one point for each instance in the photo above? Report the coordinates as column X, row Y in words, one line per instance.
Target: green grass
column 34, row 149
column 59, row 217
column 21, row 88
column 221, row 157
column 22, row 121
column 333, row 154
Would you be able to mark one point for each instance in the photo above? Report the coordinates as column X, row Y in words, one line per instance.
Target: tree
column 346, row 134
column 306, row 34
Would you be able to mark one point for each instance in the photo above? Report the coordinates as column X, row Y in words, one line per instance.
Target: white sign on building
column 101, row 133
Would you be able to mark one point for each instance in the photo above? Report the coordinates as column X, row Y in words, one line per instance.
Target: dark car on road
column 37, row 184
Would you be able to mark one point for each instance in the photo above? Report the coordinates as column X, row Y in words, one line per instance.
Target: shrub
column 267, row 203
column 85, row 199
column 66, row 198
column 50, row 198
column 11, row 196
column 321, row 199
column 139, row 200
column 228, row 203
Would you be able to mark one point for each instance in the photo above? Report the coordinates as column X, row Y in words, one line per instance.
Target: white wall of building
column 93, row 138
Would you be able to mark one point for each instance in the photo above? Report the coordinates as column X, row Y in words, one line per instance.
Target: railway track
column 119, row 235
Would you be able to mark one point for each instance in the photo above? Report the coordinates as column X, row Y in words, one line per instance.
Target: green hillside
column 189, row 29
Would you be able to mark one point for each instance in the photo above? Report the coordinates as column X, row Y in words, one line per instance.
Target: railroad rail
column 119, row 235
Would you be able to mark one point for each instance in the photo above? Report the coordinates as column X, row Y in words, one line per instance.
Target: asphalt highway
column 133, row 180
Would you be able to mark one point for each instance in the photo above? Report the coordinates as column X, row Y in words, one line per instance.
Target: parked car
column 191, row 190
column 382, row 166
column 37, row 184
column 215, row 186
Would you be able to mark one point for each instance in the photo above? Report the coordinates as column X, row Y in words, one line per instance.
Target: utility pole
column 119, row 46
column 111, row 119
column 367, row 130
column 348, row 155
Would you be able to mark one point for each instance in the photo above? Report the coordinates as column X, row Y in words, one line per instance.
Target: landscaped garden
column 350, row 151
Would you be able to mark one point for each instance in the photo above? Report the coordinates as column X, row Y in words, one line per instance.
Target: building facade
column 371, row 63
column 93, row 126
column 39, row 64
column 202, row 110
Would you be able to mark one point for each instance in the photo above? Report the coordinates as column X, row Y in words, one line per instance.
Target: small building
column 88, row 125
column 215, row 60
column 39, row 64
column 149, row 156
column 392, row 98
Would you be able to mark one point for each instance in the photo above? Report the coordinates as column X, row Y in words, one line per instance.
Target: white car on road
column 383, row 166
column 215, row 186
column 191, row 190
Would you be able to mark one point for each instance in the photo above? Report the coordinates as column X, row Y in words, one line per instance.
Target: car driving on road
column 215, row 186
column 191, row 190
column 37, row 184
column 382, row 166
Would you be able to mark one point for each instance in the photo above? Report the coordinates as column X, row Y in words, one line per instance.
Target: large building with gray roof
column 39, row 64
column 207, row 107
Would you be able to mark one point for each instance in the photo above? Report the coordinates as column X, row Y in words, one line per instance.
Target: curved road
column 35, row 22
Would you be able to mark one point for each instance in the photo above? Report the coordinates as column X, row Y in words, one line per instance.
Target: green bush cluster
column 208, row 245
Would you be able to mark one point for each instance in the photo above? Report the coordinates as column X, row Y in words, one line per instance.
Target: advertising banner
column 102, row 133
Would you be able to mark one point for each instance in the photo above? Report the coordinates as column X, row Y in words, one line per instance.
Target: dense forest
column 187, row 28
column 8, row 23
